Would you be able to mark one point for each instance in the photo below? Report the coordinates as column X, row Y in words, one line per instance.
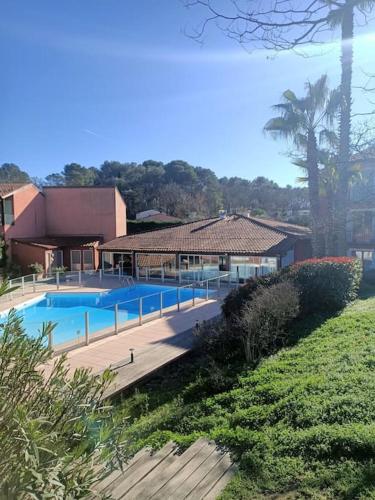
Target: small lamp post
column 131, row 355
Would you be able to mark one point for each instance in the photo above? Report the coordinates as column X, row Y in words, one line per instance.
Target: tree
column 55, row 180
column 303, row 120
column 57, row 435
column 77, row 175
column 281, row 25
column 9, row 172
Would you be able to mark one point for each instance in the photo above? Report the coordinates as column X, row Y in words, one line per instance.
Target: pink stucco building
column 60, row 226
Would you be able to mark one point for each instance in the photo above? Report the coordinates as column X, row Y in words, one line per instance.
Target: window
column 8, row 211
column 366, row 256
column 88, row 260
column 75, row 258
column 161, row 266
column 54, row 259
column 107, row 260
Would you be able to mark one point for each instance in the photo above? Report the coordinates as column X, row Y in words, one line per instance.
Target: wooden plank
column 167, row 491
column 165, row 471
column 207, row 483
column 221, row 483
column 196, row 477
column 142, row 469
column 105, row 483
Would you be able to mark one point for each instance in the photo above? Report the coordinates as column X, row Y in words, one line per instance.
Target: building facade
column 235, row 244
column 59, row 226
column 361, row 217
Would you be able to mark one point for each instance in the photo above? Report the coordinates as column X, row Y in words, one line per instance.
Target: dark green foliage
column 9, row 172
column 262, row 322
column 257, row 330
column 56, row 434
column 327, row 284
column 237, row 298
column 135, row 226
column 182, row 190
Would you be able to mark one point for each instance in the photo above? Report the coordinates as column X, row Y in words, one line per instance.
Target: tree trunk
column 344, row 129
column 317, row 240
column 330, row 242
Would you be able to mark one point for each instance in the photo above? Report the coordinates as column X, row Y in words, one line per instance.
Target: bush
column 57, row 436
column 326, row 284
column 36, row 268
column 237, row 298
column 217, row 339
column 262, row 321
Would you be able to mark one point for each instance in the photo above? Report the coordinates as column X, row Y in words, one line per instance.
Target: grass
column 301, row 425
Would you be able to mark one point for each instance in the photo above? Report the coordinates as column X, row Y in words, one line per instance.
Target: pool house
column 235, row 244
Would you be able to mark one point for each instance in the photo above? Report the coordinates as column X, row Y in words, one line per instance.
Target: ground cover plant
column 301, row 425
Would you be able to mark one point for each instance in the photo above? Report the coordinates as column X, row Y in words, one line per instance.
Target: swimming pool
column 68, row 309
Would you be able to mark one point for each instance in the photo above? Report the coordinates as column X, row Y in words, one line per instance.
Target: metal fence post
column 178, row 299
column 34, row 283
column 23, row 285
column 140, row 307
column 193, row 288
column 100, row 275
column 87, row 333
column 116, row 319
column 206, row 289
column 50, row 339
column 57, row 280
column 161, row 304
column 79, row 278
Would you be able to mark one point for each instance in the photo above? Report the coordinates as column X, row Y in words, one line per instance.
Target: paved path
column 156, row 344
column 201, row 472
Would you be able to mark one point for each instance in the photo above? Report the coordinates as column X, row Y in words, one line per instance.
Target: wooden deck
column 201, row 472
column 155, row 344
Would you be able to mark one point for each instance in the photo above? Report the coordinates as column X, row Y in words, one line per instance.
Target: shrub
column 326, row 284
column 237, row 298
column 262, row 321
column 57, row 437
column 36, row 268
column 217, row 339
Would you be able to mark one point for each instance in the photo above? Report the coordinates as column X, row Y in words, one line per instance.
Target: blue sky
column 94, row 80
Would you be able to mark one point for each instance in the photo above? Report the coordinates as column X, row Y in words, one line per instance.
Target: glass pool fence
column 81, row 328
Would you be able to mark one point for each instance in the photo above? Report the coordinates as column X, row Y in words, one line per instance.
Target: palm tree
column 302, row 120
column 343, row 16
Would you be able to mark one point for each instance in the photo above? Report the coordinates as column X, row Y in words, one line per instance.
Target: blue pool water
column 68, row 309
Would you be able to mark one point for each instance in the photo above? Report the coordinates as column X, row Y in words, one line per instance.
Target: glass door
column 75, row 260
column 88, row 260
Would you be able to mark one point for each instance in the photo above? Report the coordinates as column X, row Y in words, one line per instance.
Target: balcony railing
column 363, row 236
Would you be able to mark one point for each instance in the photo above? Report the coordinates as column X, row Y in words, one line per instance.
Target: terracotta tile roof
column 53, row 242
column 285, row 226
column 234, row 235
column 7, row 188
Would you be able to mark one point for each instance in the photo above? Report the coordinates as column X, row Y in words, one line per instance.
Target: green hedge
column 325, row 285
